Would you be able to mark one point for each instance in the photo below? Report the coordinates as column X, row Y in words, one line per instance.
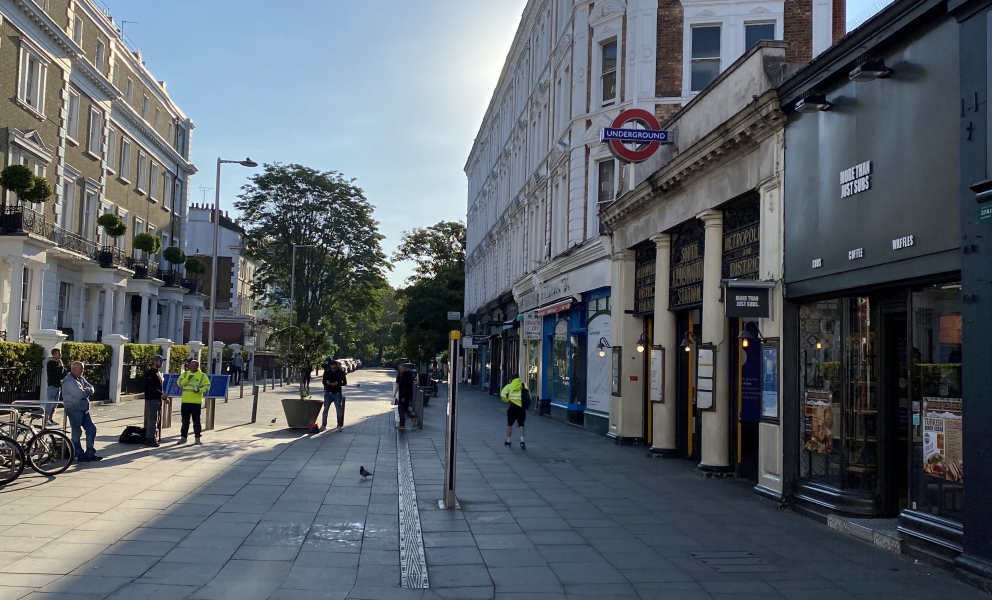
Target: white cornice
column 96, row 77
column 593, row 250
column 38, row 16
column 135, row 120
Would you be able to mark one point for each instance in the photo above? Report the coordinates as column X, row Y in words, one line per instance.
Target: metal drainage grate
column 413, row 563
column 558, row 460
column 734, row 562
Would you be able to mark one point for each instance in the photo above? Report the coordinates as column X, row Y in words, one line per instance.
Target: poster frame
column 711, row 406
column 658, row 397
column 771, row 345
column 615, row 371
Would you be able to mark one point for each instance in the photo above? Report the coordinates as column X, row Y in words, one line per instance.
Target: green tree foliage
column 112, row 225
column 301, row 347
column 196, row 266
column 437, row 286
column 148, row 242
column 174, row 255
column 140, row 354
column 337, row 280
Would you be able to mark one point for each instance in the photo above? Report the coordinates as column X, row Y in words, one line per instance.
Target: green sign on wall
column 985, row 212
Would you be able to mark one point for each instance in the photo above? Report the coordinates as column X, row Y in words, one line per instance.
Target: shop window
column 705, row 57
column 861, row 427
column 820, row 391
column 560, row 363
column 534, row 368
column 937, row 465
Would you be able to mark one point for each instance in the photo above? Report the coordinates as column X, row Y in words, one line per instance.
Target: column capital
column 107, row 287
column 711, row 218
column 624, row 255
column 146, row 295
column 662, row 240
column 16, row 260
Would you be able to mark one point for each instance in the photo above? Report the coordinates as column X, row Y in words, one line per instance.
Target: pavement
column 263, row 512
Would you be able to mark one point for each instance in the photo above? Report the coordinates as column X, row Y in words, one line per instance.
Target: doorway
column 689, row 433
column 896, row 407
column 745, row 373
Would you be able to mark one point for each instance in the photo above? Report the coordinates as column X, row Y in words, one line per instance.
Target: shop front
column 876, row 406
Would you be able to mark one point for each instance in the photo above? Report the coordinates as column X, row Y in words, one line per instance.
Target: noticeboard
column 219, row 386
column 705, row 377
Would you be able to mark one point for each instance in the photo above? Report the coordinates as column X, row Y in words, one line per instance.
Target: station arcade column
column 665, row 438
column 627, row 364
column 715, row 450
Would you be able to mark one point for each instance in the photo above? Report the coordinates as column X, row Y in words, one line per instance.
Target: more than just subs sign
column 855, row 180
column 744, row 301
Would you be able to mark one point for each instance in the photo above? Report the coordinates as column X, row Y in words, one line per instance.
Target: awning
column 555, row 308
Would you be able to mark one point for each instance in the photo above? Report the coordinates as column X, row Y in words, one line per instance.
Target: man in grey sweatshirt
column 76, row 392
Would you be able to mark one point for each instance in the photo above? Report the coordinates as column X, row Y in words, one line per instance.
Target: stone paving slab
column 263, row 512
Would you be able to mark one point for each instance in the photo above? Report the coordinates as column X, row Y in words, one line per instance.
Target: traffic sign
column 454, row 316
column 648, row 137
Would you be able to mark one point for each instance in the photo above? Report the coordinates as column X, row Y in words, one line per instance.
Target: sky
column 390, row 92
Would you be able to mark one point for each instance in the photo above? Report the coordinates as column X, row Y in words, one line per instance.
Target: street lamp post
column 292, row 283
column 213, row 271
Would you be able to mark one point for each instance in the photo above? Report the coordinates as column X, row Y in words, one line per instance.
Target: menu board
column 769, row 381
column 818, row 407
column 704, row 378
column 656, row 377
column 942, row 448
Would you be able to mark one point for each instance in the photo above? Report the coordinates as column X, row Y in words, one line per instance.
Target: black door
column 688, row 425
column 896, row 407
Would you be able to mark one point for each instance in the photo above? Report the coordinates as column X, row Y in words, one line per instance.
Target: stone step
column 881, row 532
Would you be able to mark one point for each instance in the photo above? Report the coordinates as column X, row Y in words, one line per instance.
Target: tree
column 301, row 347
column 437, row 286
column 335, row 279
column 433, row 249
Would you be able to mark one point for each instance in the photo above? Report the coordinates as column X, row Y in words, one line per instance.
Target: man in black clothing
column 56, row 371
column 154, row 396
column 404, row 393
column 334, row 381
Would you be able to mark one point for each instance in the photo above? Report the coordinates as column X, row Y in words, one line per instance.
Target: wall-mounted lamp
column 870, row 71
column 688, row 341
column 641, row 343
column 813, row 103
column 746, row 337
column 602, row 346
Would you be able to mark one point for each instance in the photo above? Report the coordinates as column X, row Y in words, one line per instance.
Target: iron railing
column 19, row 383
column 192, row 285
column 133, row 379
column 143, row 268
column 20, row 220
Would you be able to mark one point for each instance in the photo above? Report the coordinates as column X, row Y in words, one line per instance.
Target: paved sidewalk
column 263, row 512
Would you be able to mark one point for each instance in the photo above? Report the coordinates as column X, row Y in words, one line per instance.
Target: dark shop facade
column 888, row 264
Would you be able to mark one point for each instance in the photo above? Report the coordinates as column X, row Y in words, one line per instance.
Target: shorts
column 515, row 413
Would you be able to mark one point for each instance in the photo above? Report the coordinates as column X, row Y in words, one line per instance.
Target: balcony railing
column 143, row 269
column 16, row 220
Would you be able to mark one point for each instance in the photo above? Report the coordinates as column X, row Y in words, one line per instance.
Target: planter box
column 141, row 271
column 301, row 414
column 106, row 259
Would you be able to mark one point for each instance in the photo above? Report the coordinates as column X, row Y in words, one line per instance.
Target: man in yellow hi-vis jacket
column 194, row 384
column 517, row 396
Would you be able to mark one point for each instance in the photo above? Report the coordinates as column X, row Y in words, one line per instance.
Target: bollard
column 241, row 394
column 418, row 407
column 209, row 409
column 166, row 415
column 254, row 403
column 451, row 431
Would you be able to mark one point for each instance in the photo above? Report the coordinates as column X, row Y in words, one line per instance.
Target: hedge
column 96, row 357
column 179, row 355
column 140, row 354
column 20, row 355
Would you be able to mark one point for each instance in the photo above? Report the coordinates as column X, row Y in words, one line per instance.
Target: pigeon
column 365, row 474
column 273, row 421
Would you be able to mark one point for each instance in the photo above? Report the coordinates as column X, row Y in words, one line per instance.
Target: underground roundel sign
column 634, row 135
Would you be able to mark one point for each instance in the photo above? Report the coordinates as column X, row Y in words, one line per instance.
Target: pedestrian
column 154, row 397
column 194, row 384
column 334, row 381
column 404, row 392
column 518, row 398
column 56, row 371
column 237, row 366
column 306, row 377
column 76, row 392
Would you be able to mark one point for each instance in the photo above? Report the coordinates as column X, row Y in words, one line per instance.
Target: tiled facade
column 108, row 138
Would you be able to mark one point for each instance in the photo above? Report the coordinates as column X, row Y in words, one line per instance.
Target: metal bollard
column 254, row 403
column 209, row 409
column 419, row 407
column 241, row 394
column 166, row 415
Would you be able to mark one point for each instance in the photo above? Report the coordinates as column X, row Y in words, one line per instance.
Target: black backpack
column 524, row 399
column 132, row 435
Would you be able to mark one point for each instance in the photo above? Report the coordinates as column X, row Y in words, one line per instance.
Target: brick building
column 538, row 275
column 84, row 112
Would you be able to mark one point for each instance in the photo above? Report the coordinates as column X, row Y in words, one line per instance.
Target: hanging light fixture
column 602, row 346
column 688, row 341
column 745, row 337
column 641, row 343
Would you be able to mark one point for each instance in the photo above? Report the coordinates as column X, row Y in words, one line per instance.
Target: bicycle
column 48, row 452
column 11, row 460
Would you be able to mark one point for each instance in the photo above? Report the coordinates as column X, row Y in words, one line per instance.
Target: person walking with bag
column 194, row 384
column 518, row 398
column 334, row 381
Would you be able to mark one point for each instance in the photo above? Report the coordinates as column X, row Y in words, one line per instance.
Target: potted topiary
column 114, row 227
column 301, row 347
column 196, row 267
column 148, row 244
column 28, row 187
column 175, row 257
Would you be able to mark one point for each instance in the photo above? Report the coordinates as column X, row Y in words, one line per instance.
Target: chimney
column 162, row 83
column 839, row 13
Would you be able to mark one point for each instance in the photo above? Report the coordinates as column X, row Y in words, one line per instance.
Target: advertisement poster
column 597, row 367
column 942, row 450
column 533, row 326
column 751, row 384
column 818, row 408
column 656, row 376
column 769, row 382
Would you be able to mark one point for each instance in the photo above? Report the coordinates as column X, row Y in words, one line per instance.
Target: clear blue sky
column 390, row 92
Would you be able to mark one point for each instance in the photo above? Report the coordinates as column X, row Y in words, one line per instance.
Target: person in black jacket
column 404, row 392
column 154, row 397
column 334, row 382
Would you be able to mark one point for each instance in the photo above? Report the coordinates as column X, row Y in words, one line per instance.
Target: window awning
column 555, row 308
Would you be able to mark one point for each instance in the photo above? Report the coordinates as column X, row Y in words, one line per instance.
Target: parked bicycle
column 49, row 452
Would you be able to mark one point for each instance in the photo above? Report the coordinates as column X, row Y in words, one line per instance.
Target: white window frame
column 601, row 73
column 121, row 242
column 756, row 22
column 94, row 141
column 139, row 227
column 613, row 196
column 63, row 316
column 144, row 107
column 153, row 181
column 33, row 99
column 72, row 118
column 129, row 91
column 167, row 189
column 77, row 29
column 89, row 211
column 719, row 58
column 177, row 192
column 101, row 234
column 125, row 170
column 164, row 236
column 111, row 149
column 158, row 118
column 142, row 183
column 70, row 197
column 100, row 56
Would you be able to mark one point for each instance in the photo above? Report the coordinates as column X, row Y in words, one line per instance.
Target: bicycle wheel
column 11, row 460
column 50, row 452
